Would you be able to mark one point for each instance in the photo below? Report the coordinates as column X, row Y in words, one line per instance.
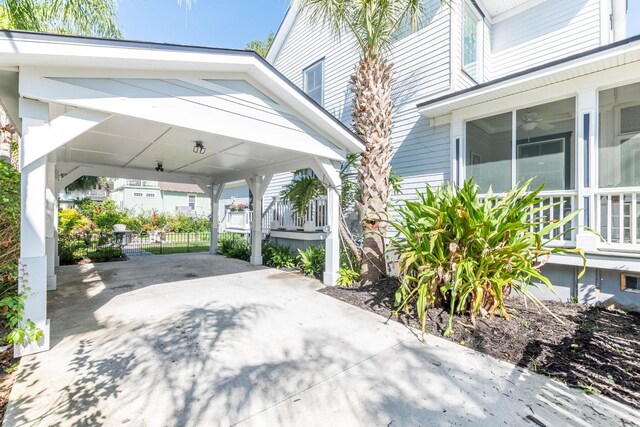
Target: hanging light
column 199, row 148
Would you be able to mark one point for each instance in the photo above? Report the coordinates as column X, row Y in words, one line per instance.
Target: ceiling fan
column 532, row 120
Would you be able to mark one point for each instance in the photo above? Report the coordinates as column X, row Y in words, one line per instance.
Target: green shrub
column 86, row 207
column 18, row 330
column 72, row 223
column 278, row 255
column 347, row 277
column 106, row 216
column 456, row 251
column 233, row 245
column 311, row 260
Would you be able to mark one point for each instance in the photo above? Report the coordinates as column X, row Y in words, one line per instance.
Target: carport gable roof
column 233, row 100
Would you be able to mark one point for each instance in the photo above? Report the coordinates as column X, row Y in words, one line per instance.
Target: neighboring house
column 69, row 199
column 503, row 91
column 141, row 196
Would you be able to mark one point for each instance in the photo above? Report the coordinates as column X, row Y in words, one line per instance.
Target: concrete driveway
column 198, row 340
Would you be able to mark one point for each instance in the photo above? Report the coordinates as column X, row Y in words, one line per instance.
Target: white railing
column 282, row 216
column 279, row 215
column 561, row 203
column 617, row 217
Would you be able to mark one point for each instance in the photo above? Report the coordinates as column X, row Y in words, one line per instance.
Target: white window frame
column 195, row 201
column 138, row 194
column 312, row 67
column 462, row 155
column 478, row 63
column 151, row 195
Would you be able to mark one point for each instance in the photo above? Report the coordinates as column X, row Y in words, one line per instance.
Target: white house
column 502, row 91
column 144, row 196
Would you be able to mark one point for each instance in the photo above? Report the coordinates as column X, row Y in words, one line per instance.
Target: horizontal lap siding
column 421, row 65
column 543, row 33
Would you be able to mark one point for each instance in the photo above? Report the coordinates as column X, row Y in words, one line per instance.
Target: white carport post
column 216, row 192
column 51, row 229
column 330, row 176
column 257, row 185
column 33, row 233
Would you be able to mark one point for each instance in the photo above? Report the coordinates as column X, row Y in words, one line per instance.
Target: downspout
column 619, row 19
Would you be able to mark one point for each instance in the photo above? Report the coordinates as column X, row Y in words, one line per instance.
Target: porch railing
column 617, row 213
column 280, row 215
column 561, row 203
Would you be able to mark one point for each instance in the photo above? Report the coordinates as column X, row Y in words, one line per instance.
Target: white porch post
column 258, row 185
column 587, row 119
column 216, row 192
column 33, row 232
column 51, row 226
column 332, row 244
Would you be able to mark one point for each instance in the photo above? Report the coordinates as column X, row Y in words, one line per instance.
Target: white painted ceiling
column 132, row 142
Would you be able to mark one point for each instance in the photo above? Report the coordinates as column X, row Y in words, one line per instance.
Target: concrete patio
column 195, row 339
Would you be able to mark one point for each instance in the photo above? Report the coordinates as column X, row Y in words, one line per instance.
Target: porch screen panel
column 619, row 137
column 545, row 145
column 488, row 152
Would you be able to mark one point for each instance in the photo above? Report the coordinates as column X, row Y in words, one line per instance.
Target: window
column 192, row 202
column 138, row 194
column 151, row 195
column 629, row 282
column 619, row 139
column 314, row 82
column 541, row 148
column 470, row 45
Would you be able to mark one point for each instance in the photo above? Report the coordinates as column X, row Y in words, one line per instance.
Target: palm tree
column 82, row 17
column 97, row 18
column 374, row 24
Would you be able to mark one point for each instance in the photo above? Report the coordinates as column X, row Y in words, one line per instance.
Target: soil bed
column 8, row 367
column 596, row 349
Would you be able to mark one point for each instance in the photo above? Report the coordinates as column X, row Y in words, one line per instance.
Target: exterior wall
column 175, row 201
column 545, row 32
column 421, row 66
column 141, row 204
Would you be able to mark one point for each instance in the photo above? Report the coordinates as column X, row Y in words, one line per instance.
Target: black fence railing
column 120, row 245
column 166, row 243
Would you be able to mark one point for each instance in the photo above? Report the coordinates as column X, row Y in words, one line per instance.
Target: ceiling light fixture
column 529, row 125
column 159, row 168
column 199, row 148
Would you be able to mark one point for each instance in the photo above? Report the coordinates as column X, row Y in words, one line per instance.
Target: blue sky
column 218, row 23
column 225, row 23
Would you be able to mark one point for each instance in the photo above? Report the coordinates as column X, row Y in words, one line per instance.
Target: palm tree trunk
column 372, row 120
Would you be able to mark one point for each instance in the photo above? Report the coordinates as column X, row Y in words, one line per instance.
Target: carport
column 136, row 110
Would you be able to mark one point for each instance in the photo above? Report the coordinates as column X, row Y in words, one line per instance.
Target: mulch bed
column 596, row 349
column 8, row 367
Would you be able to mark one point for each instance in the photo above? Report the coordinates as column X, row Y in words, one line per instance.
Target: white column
column 216, row 192
column 51, row 226
column 332, row 244
column 33, row 229
column 257, row 185
column 256, row 224
column 587, row 119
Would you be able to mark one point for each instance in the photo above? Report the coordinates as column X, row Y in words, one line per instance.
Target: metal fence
column 157, row 243
column 113, row 248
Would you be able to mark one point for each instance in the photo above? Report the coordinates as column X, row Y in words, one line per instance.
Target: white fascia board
column 167, row 110
column 283, row 31
column 307, row 110
column 526, row 82
column 71, row 52
column 610, row 261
